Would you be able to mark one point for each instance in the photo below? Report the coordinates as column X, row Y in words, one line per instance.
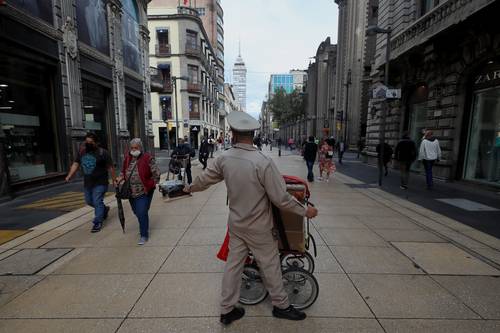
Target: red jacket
column 144, row 170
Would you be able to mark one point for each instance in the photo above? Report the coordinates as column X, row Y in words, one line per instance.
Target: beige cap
column 240, row 121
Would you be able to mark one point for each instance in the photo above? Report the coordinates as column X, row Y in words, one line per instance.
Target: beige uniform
column 253, row 182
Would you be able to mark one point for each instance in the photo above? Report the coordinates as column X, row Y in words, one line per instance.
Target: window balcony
column 162, row 50
column 194, row 87
column 193, row 50
column 187, row 11
column 194, row 115
column 159, row 83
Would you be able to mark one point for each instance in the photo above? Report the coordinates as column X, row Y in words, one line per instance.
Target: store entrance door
column 418, row 116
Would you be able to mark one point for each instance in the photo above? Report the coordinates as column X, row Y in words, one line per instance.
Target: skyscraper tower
column 240, row 81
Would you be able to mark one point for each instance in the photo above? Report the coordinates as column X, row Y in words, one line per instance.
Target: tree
column 287, row 108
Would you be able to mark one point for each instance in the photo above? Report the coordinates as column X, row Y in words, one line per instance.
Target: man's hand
column 187, row 188
column 311, row 212
column 67, row 179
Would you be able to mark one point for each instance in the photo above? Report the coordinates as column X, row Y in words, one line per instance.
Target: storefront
column 28, row 122
column 482, row 162
column 95, row 110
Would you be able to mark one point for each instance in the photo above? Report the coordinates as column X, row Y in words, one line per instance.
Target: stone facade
column 81, row 70
column 441, row 61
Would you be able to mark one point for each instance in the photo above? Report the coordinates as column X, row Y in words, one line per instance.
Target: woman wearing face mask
column 143, row 174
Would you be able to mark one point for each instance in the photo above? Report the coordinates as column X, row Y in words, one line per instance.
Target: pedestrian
column 211, row 145
column 96, row 165
column 387, row 156
column 203, row 153
column 405, row 153
column 341, row 147
column 184, row 151
column 290, row 143
column 253, row 183
column 310, row 152
column 326, row 164
column 140, row 168
column 430, row 153
column 361, row 146
column 257, row 141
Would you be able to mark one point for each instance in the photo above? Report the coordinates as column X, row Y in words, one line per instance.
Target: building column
column 116, row 46
column 146, row 86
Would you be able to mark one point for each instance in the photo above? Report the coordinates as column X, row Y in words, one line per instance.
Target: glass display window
column 27, row 119
column 482, row 161
column 95, row 105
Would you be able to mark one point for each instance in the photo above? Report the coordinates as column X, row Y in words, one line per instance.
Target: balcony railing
column 194, row 87
column 162, row 50
column 193, row 49
column 194, row 115
column 158, row 82
column 187, row 11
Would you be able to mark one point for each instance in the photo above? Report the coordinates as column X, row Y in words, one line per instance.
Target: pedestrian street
column 382, row 266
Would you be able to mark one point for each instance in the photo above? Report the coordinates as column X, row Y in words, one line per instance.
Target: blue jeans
column 140, row 207
column 94, row 197
column 428, row 164
column 310, row 175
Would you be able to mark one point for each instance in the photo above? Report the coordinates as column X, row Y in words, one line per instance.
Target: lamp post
column 372, row 31
column 174, row 83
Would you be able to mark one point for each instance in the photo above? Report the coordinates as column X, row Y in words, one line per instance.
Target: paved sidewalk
column 384, row 264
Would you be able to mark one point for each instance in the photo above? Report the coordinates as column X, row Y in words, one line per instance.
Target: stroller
column 297, row 264
column 173, row 188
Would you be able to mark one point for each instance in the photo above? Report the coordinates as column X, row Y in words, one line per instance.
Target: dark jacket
column 406, row 150
column 204, row 148
column 387, row 152
column 310, row 151
column 184, row 149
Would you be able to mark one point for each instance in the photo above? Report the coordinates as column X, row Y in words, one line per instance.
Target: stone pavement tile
column 59, row 325
column 30, row 261
column 203, row 236
column 41, row 240
column 333, row 197
column 337, row 298
column 397, row 235
column 215, row 209
column 210, row 220
column 325, row 262
column 316, row 236
column 79, row 238
column 491, row 254
column 21, row 239
column 166, row 221
column 409, row 296
column 481, row 293
column 341, row 202
column 251, row 325
column 157, row 237
column 12, row 286
column 193, row 259
column 483, row 238
column 117, row 260
column 190, row 210
column 463, row 239
column 380, row 211
column 334, row 221
column 444, row 258
column 351, row 237
column 78, row 296
column 374, row 260
column 400, row 223
column 439, row 326
column 7, row 253
column 177, row 295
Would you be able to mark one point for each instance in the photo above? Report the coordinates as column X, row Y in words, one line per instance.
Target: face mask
column 89, row 146
column 135, row 153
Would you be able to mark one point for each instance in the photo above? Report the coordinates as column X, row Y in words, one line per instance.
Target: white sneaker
column 142, row 241
column 320, row 178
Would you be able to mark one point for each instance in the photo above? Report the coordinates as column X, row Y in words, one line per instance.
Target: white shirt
column 429, row 150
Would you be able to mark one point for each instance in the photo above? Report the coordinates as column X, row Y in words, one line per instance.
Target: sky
column 276, row 36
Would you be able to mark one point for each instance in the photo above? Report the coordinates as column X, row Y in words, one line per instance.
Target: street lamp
column 174, row 83
column 372, row 31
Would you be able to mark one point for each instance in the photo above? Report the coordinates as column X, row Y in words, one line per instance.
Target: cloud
column 276, row 36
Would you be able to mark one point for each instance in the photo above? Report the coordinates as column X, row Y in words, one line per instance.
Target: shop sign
column 195, row 129
column 486, row 79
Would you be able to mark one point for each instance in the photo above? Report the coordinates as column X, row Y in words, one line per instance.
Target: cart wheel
column 252, row 287
column 295, row 260
column 301, row 286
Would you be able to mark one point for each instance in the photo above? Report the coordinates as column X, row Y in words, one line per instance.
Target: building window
column 194, row 105
column 130, row 35
column 220, row 38
column 427, row 5
column 201, row 11
column 193, row 74
column 166, row 107
column 40, row 9
column 92, row 24
column 219, row 20
column 191, row 39
column 95, row 108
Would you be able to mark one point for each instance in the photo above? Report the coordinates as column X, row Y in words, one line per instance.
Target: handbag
column 124, row 191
